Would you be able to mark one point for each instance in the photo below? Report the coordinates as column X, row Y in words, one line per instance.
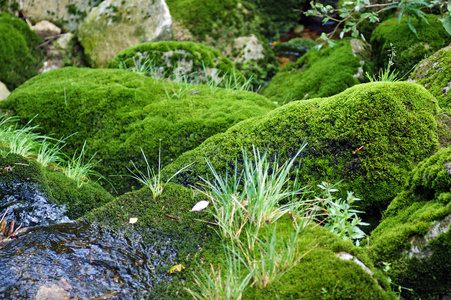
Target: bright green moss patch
column 19, row 60
column 370, row 136
column 58, row 188
column 119, row 112
column 409, row 48
column 190, row 57
column 414, row 235
column 322, row 73
column 321, row 274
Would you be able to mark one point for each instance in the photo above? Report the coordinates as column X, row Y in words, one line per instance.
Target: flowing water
column 84, row 259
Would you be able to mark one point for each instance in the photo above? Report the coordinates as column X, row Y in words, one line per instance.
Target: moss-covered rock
column 409, row 48
column 206, row 21
column 414, row 236
column 119, row 113
column 165, row 59
column 297, row 46
column 331, row 269
column 19, row 58
column 370, row 136
column 16, row 170
column 322, row 73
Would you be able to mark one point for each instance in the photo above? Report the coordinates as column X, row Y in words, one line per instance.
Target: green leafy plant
column 152, row 179
column 342, row 218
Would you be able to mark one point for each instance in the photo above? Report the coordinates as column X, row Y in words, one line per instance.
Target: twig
column 206, row 222
column 172, row 217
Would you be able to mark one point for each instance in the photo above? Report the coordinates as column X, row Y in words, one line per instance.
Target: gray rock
column 68, row 13
column 46, row 29
column 4, row 92
column 247, row 47
column 115, row 25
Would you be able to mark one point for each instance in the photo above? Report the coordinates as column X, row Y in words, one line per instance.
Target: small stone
column 4, row 92
column 45, row 29
column 52, row 292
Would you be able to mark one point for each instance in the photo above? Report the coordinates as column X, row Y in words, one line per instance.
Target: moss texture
column 168, row 217
column 410, row 49
column 394, row 122
column 206, row 20
column 119, row 112
column 423, row 208
column 322, row 73
column 19, row 58
column 59, row 189
column 169, row 55
column 320, row 274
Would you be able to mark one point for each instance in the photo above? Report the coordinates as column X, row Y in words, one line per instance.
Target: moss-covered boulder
column 414, row 236
column 20, row 177
column 119, row 113
column 19, row 58
column 434, row 73
column 370, row 136
column 170, row 59
column 116, row 25
column 409, row 49
column 320, row 73
column 204, row 21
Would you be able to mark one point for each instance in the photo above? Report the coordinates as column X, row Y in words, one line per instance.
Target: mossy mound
column 118, row 113
column 184, row 58
column 206, row 21
column 168, row 217
column 321, row 273
column 322, row 73
column 19, row 58
column 409, row 48
column 370, row 136
column 59, row 189
column 414, row 236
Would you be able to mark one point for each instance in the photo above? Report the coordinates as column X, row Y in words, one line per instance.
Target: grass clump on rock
column 413, row 237
column 118, row 112
column 320, row 73
column 370, row 136
column 19, row 58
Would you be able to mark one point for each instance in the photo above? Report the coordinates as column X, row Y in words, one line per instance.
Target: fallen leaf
column 133, row 220
column 200, row 206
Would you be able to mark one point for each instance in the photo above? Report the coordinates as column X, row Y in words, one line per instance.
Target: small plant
column 342, row 219
column 152, row 179
column 144, row 66
column 49, row 152
column 79, row 170
column 387, row 74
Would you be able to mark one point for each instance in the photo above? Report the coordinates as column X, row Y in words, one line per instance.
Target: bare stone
column 4, row 92
column 45, row 29
column 347, row 256
column 248, row 48
column 52, row 292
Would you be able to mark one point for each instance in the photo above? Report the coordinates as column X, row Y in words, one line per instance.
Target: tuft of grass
column 152, row 179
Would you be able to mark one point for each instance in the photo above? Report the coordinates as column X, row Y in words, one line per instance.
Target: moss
column 410, row 49
column 119, row 112
column 59, row 189
column 196, row 53
column 19, row 58
column 320, row 274
column 394, row 122
column 434, row 73
column 421, row 209
column 300, row 46
column 322, row 73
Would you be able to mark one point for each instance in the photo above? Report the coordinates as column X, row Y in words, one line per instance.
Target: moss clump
column 166, row 218
column 187, row 57
column 59, row 189
column 119, row 112
column 394, row 122
column 322, row 73
column 19, row 58
column 409, row 48
column 414, row 235
column 321, row 274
